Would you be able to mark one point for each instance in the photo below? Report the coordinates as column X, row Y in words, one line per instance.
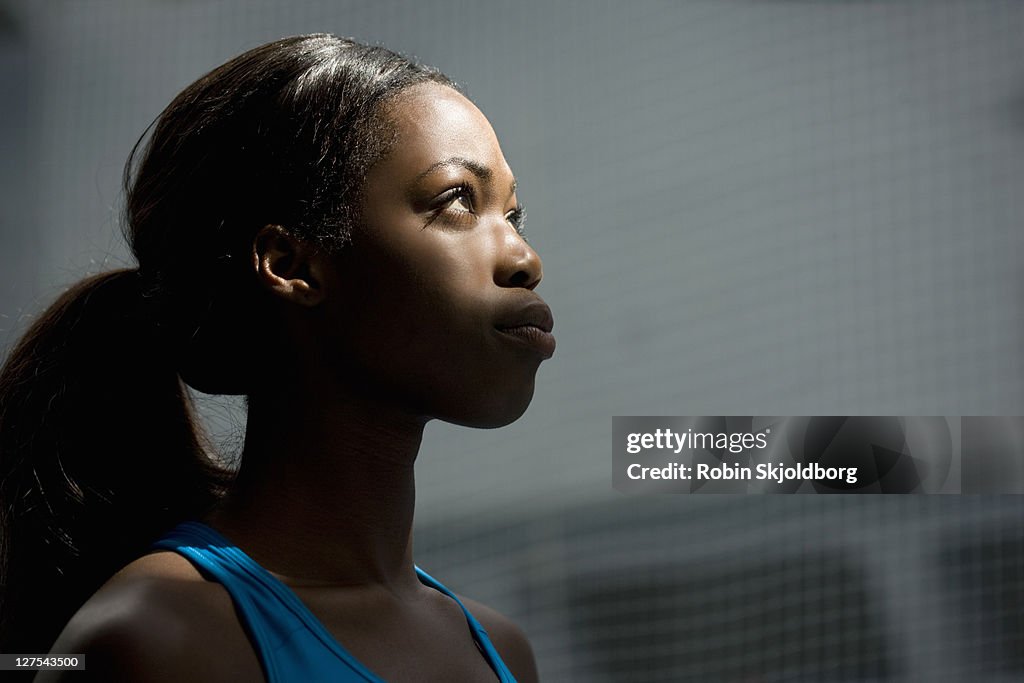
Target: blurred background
column 760, row 207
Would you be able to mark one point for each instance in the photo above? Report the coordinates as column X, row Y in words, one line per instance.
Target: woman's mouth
column 530, row 326
column 531, row 336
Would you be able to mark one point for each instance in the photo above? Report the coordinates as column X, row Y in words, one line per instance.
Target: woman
column 332, row 231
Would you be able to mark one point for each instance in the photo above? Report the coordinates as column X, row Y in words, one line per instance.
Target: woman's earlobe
column 287, row 266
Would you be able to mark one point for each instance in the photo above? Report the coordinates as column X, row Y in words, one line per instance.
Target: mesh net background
column 777, row 207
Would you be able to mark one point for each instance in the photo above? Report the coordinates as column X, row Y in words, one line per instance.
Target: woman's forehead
column 434, row 122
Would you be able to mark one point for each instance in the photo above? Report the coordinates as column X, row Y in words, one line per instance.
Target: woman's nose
column 519, row 265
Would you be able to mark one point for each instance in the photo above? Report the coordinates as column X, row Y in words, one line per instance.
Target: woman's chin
column 490, row 412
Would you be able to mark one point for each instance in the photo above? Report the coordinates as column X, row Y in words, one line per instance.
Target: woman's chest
column 423, row 643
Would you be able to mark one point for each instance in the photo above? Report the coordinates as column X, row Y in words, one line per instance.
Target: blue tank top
column 291, row 643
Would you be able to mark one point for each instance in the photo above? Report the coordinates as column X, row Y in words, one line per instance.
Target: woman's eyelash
column 464, row 191
column 517, row 217
column 443, row 204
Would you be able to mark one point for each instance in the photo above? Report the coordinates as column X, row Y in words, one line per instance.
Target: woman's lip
column 535, row 313
column 531, row 336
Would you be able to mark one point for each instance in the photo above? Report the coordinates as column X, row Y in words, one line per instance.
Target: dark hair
column 99, row 449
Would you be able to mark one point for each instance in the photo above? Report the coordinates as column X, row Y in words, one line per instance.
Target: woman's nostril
column 520, row 279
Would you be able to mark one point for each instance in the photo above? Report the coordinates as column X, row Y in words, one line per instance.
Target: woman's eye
column 460, row 198
column 454, row 206
column 463, row 202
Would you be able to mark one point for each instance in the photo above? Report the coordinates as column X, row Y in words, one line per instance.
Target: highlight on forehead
column 384, row 122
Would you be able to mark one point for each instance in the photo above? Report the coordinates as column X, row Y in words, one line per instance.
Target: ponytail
column 99, row 454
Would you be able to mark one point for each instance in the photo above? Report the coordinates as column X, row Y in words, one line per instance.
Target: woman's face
column 437, row 309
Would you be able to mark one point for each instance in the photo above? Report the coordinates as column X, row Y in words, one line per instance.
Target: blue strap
column 479, row 634
column 277, row 632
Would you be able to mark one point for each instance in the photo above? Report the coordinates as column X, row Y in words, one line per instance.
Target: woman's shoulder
column 508, row 639
column 159, row 620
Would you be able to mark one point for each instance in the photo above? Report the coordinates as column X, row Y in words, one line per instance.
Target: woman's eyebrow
column 479, row 170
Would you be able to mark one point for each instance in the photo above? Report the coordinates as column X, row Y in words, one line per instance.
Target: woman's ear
column 288, row 267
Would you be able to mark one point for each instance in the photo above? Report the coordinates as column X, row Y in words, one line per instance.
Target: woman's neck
column 326, row 492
